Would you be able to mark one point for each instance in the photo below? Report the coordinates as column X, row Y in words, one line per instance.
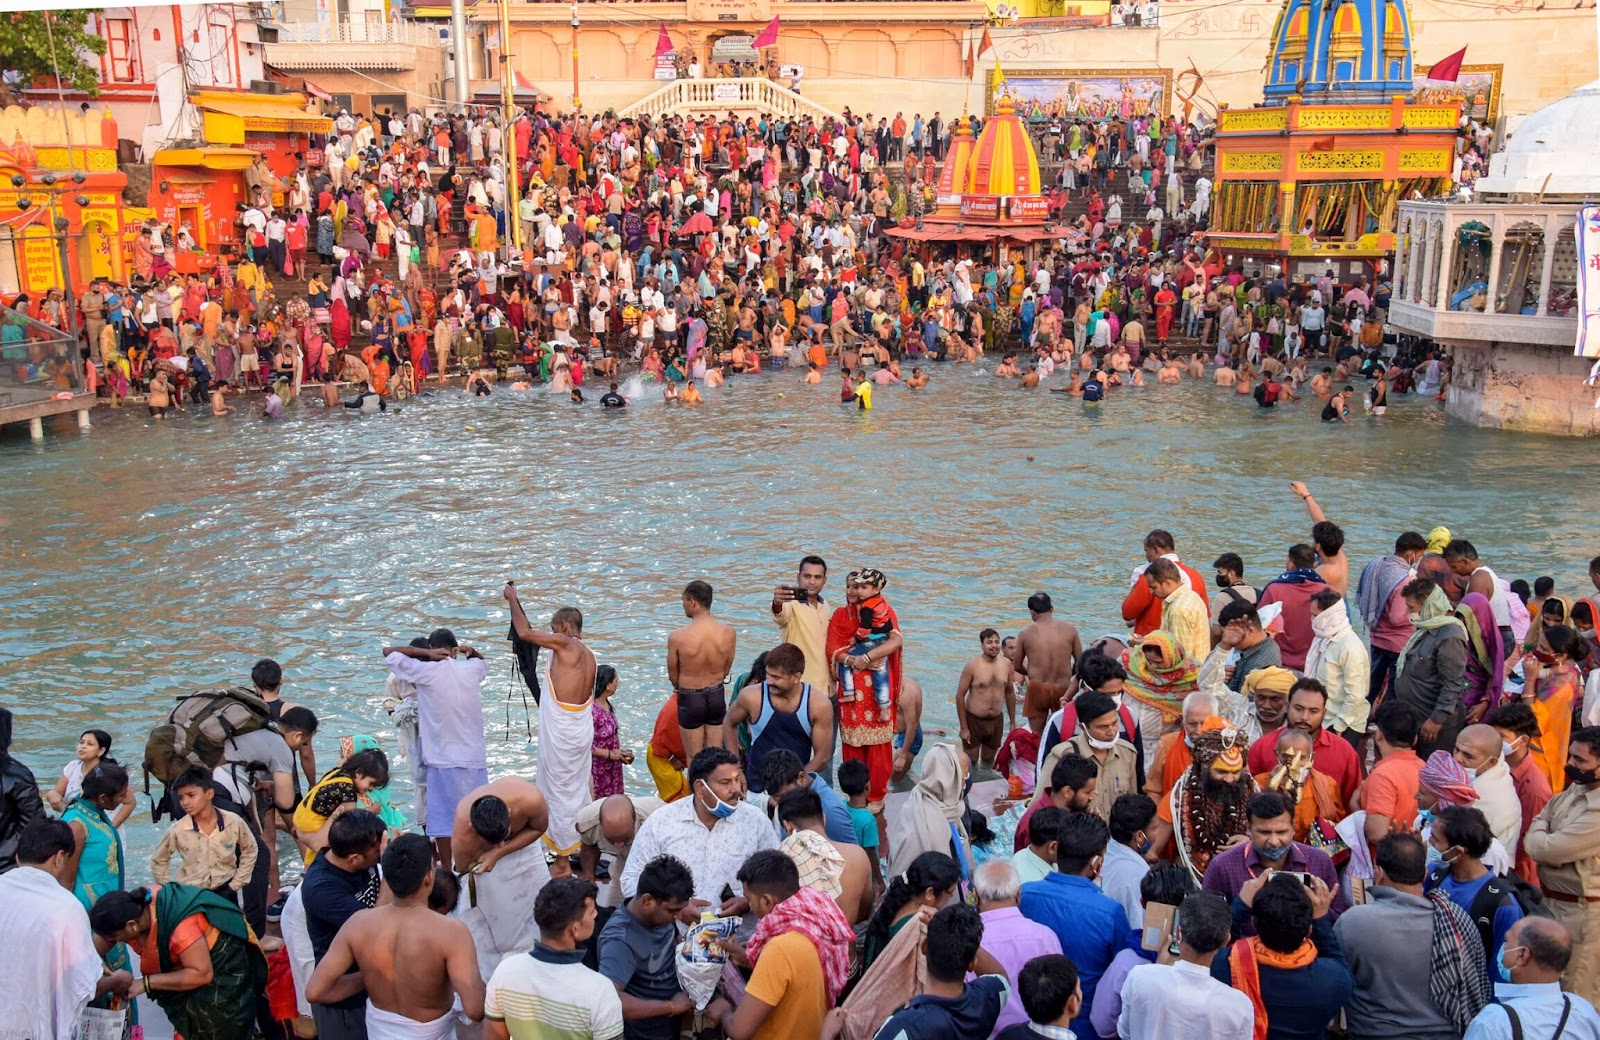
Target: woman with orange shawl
column 1166, row 304
column 866, row 731
column 1160, row 676
column 1551, row 686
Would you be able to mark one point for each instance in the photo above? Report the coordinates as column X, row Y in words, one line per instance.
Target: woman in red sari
column 866, row 732
column 1166, row 303
column 339, row 324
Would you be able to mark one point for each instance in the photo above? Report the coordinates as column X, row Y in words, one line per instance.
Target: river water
column 144, row 559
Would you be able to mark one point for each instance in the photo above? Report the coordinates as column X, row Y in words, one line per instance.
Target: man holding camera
column 798, row 612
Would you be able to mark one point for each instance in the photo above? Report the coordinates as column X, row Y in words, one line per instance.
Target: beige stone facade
column 885, row 57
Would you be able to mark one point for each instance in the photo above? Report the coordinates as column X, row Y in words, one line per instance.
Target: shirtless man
column 1007, row 368
column 1332, row 563
column 917, row 380
column 412, row 963
column 1322, row 384
column 984, row 688
column 1197, row 368
column 566, row 727
column 1170, row 373
column 801, row 810
column 494, row 821
column 699, row 661
column 1031, row 379
column 1223, row 376
column 1047, row 656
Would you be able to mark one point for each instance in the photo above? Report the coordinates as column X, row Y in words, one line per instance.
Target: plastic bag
column 701, row 959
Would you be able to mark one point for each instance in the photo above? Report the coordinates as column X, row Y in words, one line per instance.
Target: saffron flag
column 986, row 43
column 769, row 35
column 1448, row 70
column 967, row 60
column 663, row 43
column 1322, row 144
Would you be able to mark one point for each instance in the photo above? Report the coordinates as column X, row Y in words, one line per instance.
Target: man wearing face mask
column 1531, row 967
column 1239, row 633
column 1565, row 841
column 1518, row 727
column 714, row 830
column 1458, row 840
column 1126, row 865
column 1100, row 740
column 1478, row 750
column 1270, row 847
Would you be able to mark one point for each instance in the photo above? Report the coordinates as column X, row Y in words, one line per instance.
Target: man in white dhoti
column 47, row 954
column 566, row 725
column 413, row 964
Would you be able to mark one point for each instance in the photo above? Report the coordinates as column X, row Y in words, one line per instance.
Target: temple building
column 1310, row 179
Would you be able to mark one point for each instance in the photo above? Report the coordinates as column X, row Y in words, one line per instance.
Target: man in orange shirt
column 1314, row 794
column 1141, row 608
column 1390, row 794
column 664, row 753
column 897, row 142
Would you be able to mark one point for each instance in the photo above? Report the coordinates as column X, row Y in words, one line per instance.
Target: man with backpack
column 1462, row 837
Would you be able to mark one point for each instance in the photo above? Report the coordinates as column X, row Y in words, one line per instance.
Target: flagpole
column 576, row 103
column 508, row 137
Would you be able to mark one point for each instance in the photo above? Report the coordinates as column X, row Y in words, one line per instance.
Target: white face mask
column 1101, row 745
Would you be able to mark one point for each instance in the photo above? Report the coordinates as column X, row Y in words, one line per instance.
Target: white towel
column 566, row 753
column 386, row 1025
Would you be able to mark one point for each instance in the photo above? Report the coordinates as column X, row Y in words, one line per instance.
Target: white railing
column 364, row 32
column 725, row 95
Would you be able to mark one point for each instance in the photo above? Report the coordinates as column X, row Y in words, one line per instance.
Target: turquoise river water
column 143, row 559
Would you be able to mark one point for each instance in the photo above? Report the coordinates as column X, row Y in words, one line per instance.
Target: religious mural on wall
column 1096, row 94
column 1478, row 89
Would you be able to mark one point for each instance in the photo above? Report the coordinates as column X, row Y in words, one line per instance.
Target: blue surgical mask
column 1269, row 852
column 1189, row 741
column 1435, row 858
column 1500, row 964
column 721, row 810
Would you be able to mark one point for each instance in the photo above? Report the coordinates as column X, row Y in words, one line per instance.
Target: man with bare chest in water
column 984, row 700
column 699, row 661
column 412, row 962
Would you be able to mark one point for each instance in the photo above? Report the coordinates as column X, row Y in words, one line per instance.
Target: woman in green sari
column 97, row 860
column 198, row 958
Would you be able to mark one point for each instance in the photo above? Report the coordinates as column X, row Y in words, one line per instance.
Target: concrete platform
column 33, row 405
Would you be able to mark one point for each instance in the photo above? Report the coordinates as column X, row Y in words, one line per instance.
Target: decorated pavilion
column 1310, row 179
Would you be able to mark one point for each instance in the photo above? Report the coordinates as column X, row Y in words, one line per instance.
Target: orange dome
column 1003, row 162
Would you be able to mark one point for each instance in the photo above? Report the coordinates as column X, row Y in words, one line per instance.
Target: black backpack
column 1491, row 896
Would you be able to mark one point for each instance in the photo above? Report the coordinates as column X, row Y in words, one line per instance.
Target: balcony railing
column 410, row 33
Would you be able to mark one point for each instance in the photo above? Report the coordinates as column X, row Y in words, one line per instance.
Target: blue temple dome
column 1340, row 50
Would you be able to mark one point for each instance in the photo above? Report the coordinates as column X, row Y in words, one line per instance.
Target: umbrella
column 699, row 224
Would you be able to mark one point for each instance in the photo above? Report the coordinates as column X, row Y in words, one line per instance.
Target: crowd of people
column 701, row 248
column 1239, row 817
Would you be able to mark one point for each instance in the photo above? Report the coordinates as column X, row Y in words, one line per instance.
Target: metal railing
column 411, row 33
column 723, row 95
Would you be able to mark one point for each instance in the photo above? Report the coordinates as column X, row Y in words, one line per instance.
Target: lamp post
column 59, row 226
column 576, row 103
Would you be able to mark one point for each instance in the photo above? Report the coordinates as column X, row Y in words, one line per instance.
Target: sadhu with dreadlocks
column 1207, row 803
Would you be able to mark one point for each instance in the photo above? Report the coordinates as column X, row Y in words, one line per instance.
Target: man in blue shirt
column 1537, row 951
column 781, row 770
column 1462, row 837
column 952, row 1008
column 1093, row 927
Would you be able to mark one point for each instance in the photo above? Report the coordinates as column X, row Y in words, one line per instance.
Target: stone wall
column 1531, row 389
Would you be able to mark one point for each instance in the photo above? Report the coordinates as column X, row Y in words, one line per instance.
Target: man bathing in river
column 1047, row 656
column 699, row 662
column 985, row 703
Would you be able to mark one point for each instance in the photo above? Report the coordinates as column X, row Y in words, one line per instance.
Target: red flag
column 1322, row 144
column 984, row 44
column 769, row 35
column 967, row 60
column 1449, row 70
column 663, row 43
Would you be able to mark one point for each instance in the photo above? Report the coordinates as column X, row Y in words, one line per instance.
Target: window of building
column 119, row 49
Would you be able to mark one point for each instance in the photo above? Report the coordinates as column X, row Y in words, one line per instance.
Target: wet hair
column 666, row 879
column 708, row 761
column 445, row 894
column 572, row 617
column 194, row 776
column 698, row 591
column 1047, row 985
column 786, row 657
column 1410, row 541
column 1163, row 570
column 406, row 863
column 769, row 872
column 1543, row 586
column 954, row 937
column 561, row 903
column 603, row 677
column 107, row 778
column 1282, row 912
column 1302, row 555
column 1403, row 857
column 298, row 719
column 931, row 870
column 114, row 911
column 1515, row 716
column 800, row 805
column 354, row 832
column 371, row 763
column 267, row 674
column 1328, row 535
column 1092, row 706
column 778, row 769
column 1239, row 610
column 1325, row 598
column 1566, row 642
column 1204, row 919
column 853, row 777
column 1073, row 771
column 1081, row 838
column 42, row 838
column 1039, row 603
column 1467, row 827
column 1460, row 549
column 101, row 737
column 1159, row 539
column 1268, row 805
column 491, row 819
column 1130, row 814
